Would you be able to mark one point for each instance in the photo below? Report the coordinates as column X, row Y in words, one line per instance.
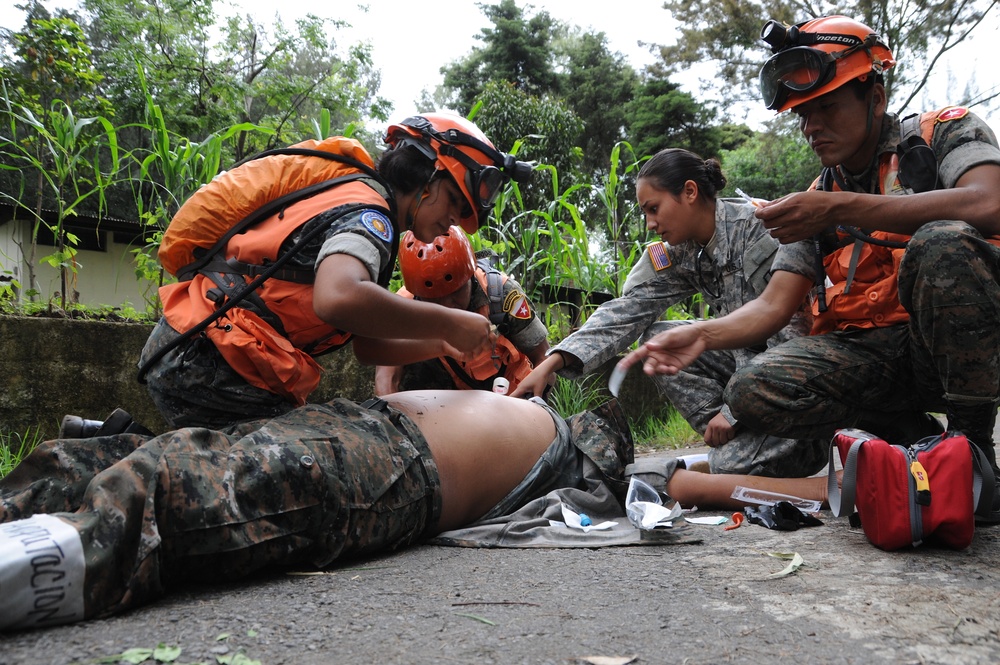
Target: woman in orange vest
column 257, row 359
column 445, row 271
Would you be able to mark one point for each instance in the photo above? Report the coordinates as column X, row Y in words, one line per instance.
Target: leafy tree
column 727, row 34
column 277, row 78
column 287, row 77
column 771, row 163
column 597, row 85
column 51, row 60
column 539, row 129
column 516, row 49
column 663, row 116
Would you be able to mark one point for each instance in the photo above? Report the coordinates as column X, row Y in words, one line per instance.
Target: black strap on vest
column 918, row 166
column 243, row 290
column 375, row 404
column 240, row 292
column 918, row 170
column 494, row 293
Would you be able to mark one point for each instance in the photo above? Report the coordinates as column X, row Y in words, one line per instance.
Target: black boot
column 976, row 422
column 75, row 427
column 119, row 422
column 900, row 428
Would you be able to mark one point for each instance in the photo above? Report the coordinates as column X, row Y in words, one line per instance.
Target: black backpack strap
column 296, row 275
column 494, row 292
column 206, row 255
column 918, row 167
column 983, row 482
column 230, row 285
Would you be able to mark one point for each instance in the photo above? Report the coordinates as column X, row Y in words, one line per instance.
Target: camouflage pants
column 949, row 353
column 193, row 386
column 116, row 520
column 321, row 482
column 697, row 394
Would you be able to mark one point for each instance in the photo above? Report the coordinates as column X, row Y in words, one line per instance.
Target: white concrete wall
column 102, row 278
column 10, row 254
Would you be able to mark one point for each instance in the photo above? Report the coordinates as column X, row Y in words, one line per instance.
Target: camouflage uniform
column 523, row 333
column 947, row 357
column 193, row 386
column 91, row 527
column 732, row 270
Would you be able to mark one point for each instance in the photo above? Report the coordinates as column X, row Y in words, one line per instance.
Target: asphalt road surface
column 710, row 602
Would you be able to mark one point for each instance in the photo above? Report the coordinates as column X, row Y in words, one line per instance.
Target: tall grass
column 571, row 397
column 14, row 447
column 665, row 430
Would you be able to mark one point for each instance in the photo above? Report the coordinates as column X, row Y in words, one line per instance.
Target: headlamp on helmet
column 817, row 56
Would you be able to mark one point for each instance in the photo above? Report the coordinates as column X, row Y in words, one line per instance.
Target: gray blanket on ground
column 530, row 526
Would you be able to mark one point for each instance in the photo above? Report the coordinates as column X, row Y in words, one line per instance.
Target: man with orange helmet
column 231, row 347
column 445, row 271
column 907, row 306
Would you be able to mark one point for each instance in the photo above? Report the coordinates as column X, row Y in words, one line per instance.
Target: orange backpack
column 254, row 190
column 246, row 195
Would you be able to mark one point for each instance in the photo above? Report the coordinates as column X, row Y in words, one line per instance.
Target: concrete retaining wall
column 51, row 367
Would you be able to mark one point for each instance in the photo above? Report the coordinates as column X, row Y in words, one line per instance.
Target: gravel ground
column 711, row 602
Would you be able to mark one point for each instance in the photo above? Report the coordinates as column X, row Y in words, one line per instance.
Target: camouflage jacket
column 730, row 271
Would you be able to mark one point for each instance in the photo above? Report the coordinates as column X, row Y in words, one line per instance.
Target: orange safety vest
column 478, row 373
column 868, row 298
column 270, row 347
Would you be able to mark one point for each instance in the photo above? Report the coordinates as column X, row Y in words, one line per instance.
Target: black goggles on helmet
column 483, row 182
column 802, row 69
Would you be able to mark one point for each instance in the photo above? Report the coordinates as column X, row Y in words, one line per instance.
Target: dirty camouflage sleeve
column 963, row 144
column 526, row 330
column 613, row 327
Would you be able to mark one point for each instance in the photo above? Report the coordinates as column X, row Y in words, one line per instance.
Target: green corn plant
column 74, row 160
column 623, row 222
column 169, row 171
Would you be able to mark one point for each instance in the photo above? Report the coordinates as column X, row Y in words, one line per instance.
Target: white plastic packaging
column 644, row 507
column 764, row 498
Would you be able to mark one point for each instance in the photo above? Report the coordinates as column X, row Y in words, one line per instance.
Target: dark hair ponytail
column 670, row 168
column 405, row 168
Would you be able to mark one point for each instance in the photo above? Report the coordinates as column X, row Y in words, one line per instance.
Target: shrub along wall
column 51, row 367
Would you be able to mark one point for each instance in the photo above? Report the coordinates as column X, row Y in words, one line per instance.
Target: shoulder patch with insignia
column 516, row 304
column 952, row 113
column 658, row 255
column 378, row 224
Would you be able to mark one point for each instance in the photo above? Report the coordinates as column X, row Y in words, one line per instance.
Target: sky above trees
column 411, row 49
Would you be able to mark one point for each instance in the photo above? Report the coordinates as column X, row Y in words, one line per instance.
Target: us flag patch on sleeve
column 658, row 255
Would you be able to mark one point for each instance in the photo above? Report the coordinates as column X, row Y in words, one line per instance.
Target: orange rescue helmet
column 815, row 57
column 437, row 268
column 459, row 148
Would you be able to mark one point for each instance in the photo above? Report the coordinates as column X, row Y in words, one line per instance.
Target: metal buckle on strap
column 376, row 404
